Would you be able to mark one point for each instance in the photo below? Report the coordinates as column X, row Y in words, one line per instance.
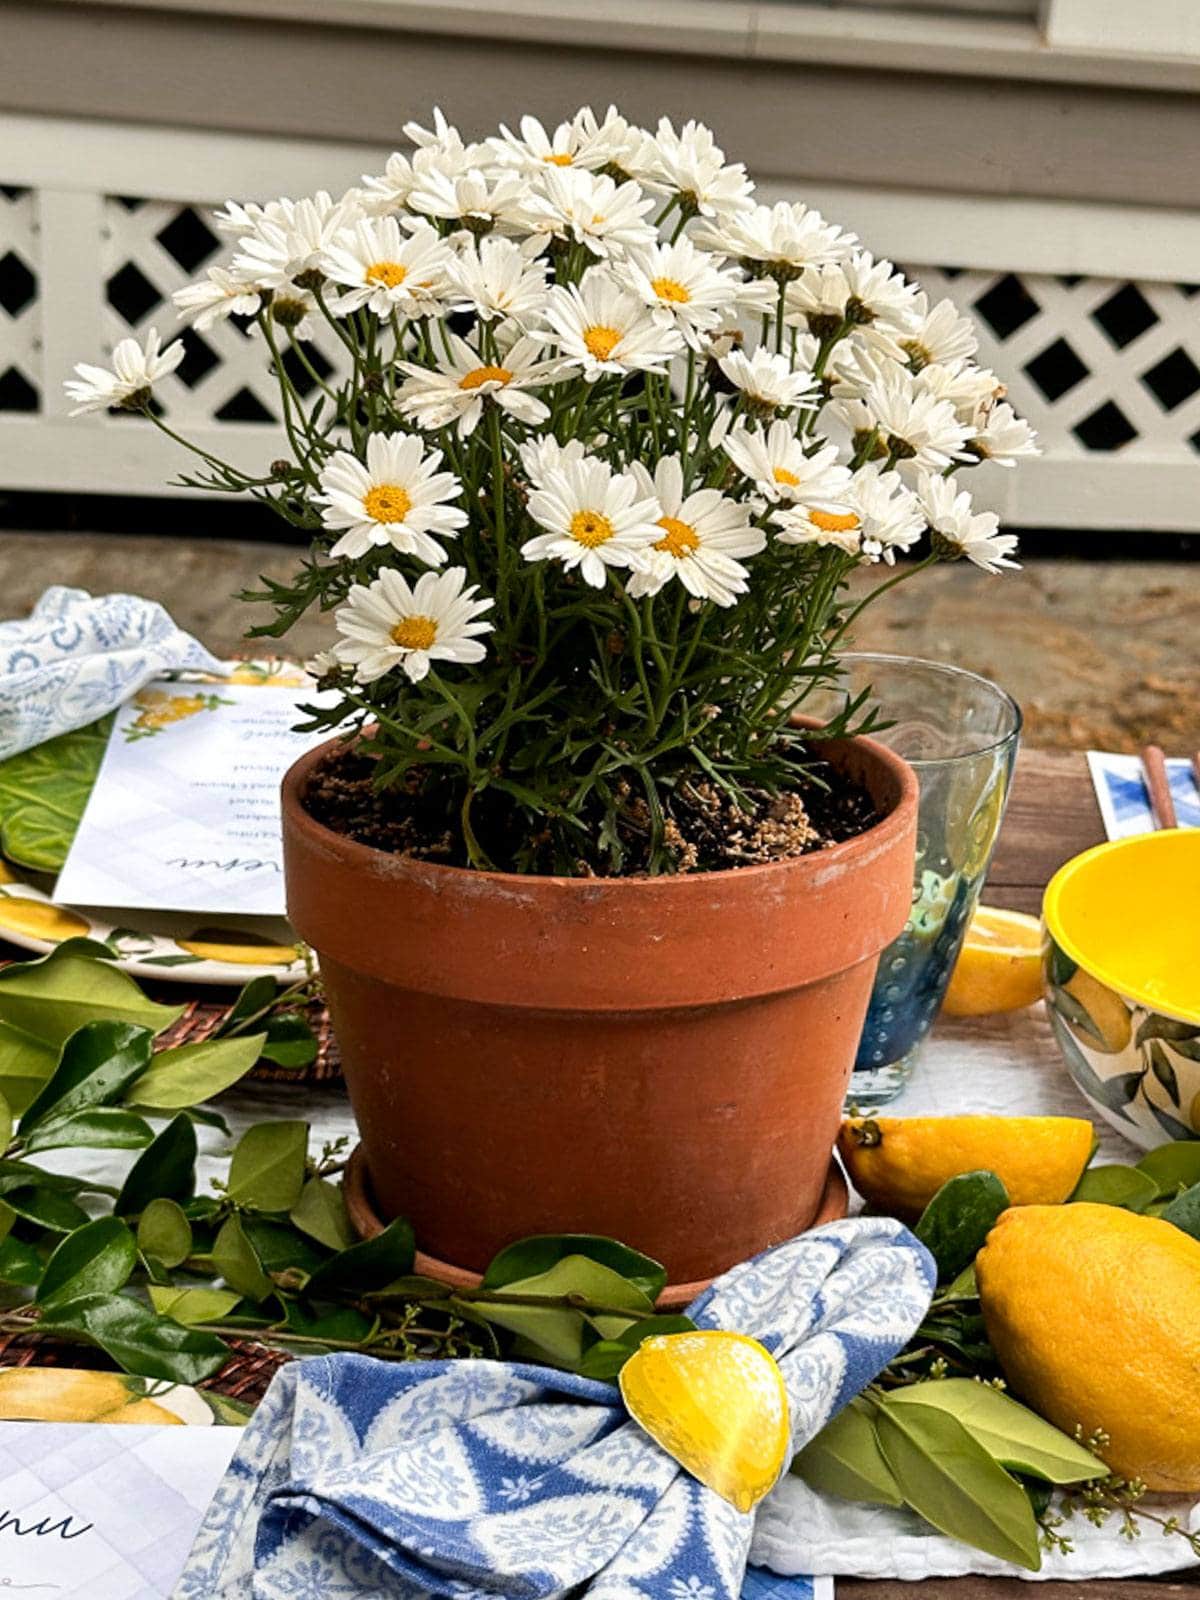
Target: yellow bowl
column 1121, row 971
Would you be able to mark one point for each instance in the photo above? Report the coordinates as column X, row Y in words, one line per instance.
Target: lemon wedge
column 999, row 967
column 715, row 1401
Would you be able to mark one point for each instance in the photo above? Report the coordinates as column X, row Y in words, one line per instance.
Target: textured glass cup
column 959, row 732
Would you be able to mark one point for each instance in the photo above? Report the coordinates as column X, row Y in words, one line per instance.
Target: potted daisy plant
column 597, row 910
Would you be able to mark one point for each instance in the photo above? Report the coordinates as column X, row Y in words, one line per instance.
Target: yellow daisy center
column 388, row 273
column 833, row 521
column 562, row 160
column 387, row 502
column 481, row 375
column 679, row 540
column 671, row 289
column 591, row 528
column 415, row 633
column 601, row 340
column 782, row 475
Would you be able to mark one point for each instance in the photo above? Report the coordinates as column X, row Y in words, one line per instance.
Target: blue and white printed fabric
column 362, row 1480
column 1124, row 800
column 77, row 657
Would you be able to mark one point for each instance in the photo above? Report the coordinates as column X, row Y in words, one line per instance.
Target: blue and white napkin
column 478, row 1479
column 1120, row 785
column 77, row 656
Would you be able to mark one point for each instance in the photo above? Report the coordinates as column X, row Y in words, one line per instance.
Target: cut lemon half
column 999, row 967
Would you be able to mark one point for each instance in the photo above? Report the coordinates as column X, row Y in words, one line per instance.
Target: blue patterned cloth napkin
column 77, row 657
column 363, row 1480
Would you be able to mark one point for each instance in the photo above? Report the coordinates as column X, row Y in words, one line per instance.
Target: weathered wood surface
column 1052, row 816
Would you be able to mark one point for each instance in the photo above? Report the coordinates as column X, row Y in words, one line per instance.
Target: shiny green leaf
column 189, row 1306
column 97, row 1258
column 267, row 1170
column 959, row 1218
column 137, row 1339
column 845, row 1459
column 948, row 1478
column 97, row 1062
column 559, row 1330
column 1010, row 1433
column 165, row 1233
column 529, row 1257
column 606, row 1357
column 48, row 1208
column 290, row 1041
column 367, row 1266
column 1184, row 1211
column 99, row 1128
column 192, row 1073
column 166, row 1170
column 320, row 1212
column 1173, row 1166
column 6, row 1123
column 1126, row 1187
column 19, row 1262
column 234, row 1259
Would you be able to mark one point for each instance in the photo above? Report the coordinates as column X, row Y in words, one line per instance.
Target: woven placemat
column 245, row 1376
column 201, row 1019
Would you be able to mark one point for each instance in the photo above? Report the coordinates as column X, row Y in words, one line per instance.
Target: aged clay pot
column 661, row 1060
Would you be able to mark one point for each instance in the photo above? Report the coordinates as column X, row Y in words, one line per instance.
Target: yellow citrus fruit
column 1109, row 1013
column 898, row 1164
column 715, row 1401
column 1094, row 1313
column 999, row 967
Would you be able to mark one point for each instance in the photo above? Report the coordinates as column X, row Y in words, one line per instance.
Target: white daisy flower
column 135, row 371
column 388, row 272
column 876, row 516
column 444, row 141
column 594, row 519
column 960, row 531
column 774, row 460
column 769, row 381
column 294, row 310
column 217, row 295
column 692, row 165
column 776, row 241
column 440, row 154
column 701, row 536
column 398, row 498
column 387, row 624
column 388, row 190
column 941, row 336
column 685, row 288
column 541, row 457
column 858, row 290
column 583, row 142
column 1001, row 436
column 239, row 219
column 279, row 250
column 971, row 390
column 455, row 390
column 912, row 422
column 600, row 327
column 493, row 278
column 478, row 200
column 590, row 208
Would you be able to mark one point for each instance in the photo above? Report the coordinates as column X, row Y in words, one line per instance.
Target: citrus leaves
column 1165, row 1183
column 959, row 1218
column 948, row 1449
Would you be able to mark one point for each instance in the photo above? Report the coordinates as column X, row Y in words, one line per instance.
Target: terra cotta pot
column 660, row 1060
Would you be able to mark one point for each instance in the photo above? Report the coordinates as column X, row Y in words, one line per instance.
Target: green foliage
column 43, row 792
column 1127, row 1187
column 959, row 1218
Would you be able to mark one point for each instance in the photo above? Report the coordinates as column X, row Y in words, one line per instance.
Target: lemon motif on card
column 716, row 1402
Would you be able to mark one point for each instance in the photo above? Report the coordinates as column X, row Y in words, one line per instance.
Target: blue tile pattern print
column 361, row 1480
column 76, row 657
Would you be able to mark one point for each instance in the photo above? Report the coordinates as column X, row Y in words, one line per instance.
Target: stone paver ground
column 1102, row 653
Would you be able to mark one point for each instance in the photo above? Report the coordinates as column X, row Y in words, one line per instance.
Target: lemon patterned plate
column 163, row 945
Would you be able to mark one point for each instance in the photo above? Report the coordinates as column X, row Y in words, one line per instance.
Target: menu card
column 185, row 812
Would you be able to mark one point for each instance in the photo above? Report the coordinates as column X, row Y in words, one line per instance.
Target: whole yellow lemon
column 1094, row 1313
column 898, row 1164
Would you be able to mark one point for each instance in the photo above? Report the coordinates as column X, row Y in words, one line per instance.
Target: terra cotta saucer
column 367, row 1222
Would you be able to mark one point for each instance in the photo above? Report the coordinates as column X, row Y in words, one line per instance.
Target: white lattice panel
column 1096, row 364
column 20, row 303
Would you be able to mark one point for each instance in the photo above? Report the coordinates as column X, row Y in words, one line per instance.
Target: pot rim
column 877, row 837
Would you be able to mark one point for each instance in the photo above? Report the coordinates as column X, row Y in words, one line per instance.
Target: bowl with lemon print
column 1121, row 972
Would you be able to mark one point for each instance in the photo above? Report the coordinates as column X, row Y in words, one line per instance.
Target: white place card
column 103, row 1511
column 185, row 812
